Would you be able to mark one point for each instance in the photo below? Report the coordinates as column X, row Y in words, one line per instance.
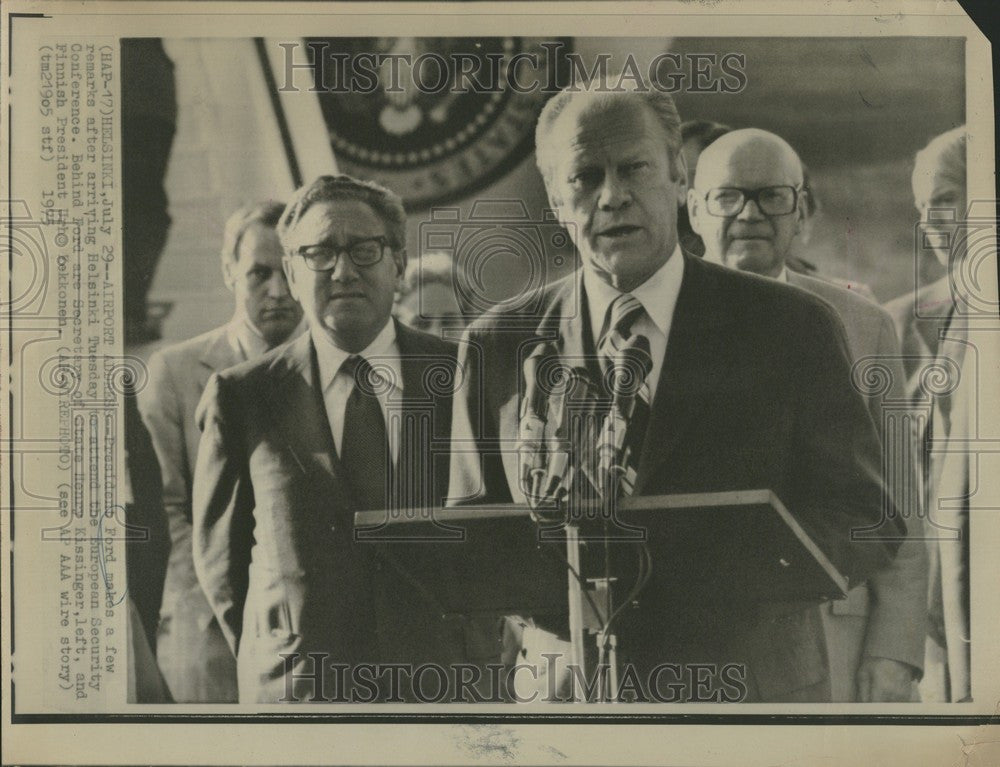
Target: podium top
column 744, row 544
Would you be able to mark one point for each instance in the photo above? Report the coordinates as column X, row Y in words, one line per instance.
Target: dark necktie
column 626, row 361
column 365, row 446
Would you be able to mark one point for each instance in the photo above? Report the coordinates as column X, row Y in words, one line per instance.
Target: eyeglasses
column 771, row 200
column 323, row 258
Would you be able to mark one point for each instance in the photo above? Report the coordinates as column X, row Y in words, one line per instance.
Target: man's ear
column 680, row 170
column 694, row 206
column 228, row 273
column 800, row 211
column 559, row 212
column 286, row 267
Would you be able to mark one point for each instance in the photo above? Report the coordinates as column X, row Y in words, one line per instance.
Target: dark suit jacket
column 273, row 516
column 145, row 559
column 191, row 650
column 754, row 393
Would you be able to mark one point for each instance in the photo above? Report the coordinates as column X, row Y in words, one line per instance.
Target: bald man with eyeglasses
column 748, row 204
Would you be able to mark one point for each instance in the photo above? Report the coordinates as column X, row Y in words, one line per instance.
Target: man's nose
column 277, row 285
column 345, row 270
column 751, row 212
column 614, row 192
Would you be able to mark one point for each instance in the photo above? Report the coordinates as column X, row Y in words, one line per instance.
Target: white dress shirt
column 383, row 355
column 658, row 296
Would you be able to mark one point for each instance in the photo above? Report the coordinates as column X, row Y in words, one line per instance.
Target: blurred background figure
column 191, row 650
column 933, row 326
column 939, row 195
column 427, row 298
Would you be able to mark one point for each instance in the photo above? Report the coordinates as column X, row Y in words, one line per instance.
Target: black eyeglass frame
column 334, row 254
column 753, row 195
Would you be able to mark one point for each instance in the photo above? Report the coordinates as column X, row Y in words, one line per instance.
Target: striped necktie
column 626, row 362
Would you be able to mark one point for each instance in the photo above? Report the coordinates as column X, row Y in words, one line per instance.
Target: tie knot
column 623, row 313
column 366, row 378
column 630, row 366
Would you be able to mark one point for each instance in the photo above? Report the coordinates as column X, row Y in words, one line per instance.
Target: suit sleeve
column 477, row 473
column 837, row 477
column 163, row 415
column 223, row 507
column 898, row 594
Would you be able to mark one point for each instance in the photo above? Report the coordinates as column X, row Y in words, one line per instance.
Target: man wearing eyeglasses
column 341, row 420
column 747, row 204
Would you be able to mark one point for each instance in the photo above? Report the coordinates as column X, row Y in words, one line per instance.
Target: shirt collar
column 782, row 276
column 383, row 351
column 658, row 294
column 245, row 338
column 248, row 342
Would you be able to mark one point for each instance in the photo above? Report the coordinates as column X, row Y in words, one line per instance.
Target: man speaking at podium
column 747, row 387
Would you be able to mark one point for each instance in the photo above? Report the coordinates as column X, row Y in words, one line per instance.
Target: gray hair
column 943, row 156
column 659, row 102
column 435, row 268
column 267, row 213
column 385, row 203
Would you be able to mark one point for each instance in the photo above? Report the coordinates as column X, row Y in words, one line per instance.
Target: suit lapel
column 414, row 359
column 428, row 375
column 699, row 357
column 295, row 404
column 577, row 346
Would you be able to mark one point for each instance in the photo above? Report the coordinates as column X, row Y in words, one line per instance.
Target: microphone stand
column 547, row 421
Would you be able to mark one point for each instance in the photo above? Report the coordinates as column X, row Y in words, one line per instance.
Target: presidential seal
column 434, row 119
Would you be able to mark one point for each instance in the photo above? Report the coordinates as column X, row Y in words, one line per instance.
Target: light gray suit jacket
column 894, row 600
column 193, row 655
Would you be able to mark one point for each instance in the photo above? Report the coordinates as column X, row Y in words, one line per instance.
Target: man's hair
column 943, row 156
column 702, row 131
column 430, row 269
column 661, row 104
column 385, row 203
column 266, row 213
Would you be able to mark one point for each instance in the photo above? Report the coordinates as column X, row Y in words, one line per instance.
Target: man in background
column 427, row 299
column 191, row 650
column 933, row 325
column 748, row 204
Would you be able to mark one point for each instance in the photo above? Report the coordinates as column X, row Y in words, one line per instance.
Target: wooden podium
column 712, row 554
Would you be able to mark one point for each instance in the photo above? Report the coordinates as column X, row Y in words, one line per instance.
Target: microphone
column 531, row 428
column 571, row 403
